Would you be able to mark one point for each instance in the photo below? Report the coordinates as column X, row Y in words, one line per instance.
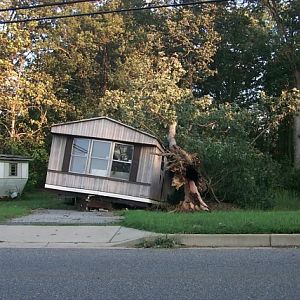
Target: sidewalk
column 28, row 236
column 45, row 229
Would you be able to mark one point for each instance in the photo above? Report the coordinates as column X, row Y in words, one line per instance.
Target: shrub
column 159, row 242
column 290, row 178
column 239, row 173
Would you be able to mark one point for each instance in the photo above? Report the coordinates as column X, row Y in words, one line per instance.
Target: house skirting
column 99, row 193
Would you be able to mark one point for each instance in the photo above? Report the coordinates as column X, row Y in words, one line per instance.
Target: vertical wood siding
column 57, row 152
column 157, row 176
column 149, row 172
column 146, row 164
column 104, row 129
column 67, row 154
column 148, row 169
column 98, row 184
column 135, row 162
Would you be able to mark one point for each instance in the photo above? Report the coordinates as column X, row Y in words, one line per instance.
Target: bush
column 240, row 174
column 37, row 168
column 290, row 178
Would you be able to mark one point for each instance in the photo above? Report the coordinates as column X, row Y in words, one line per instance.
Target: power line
column 44, row 5
column 123, row 10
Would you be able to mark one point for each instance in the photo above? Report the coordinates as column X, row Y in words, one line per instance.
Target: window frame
column 110, row 159
column 90, row 157
column 76, row 155
column 121, row 161
column 10, row 173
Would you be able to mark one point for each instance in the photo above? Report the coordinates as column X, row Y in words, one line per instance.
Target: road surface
column 150, row 274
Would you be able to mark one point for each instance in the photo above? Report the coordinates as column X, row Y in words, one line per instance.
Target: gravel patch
column 65, row 217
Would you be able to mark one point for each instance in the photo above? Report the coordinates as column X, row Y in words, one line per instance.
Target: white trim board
column 99, row 193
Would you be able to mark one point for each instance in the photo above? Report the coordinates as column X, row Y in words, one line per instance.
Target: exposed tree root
column 184, row 167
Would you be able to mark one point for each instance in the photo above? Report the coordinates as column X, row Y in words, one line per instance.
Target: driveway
column 33, row 233
column 65, row 217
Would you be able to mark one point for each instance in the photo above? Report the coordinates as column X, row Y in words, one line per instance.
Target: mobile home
column 104, row 157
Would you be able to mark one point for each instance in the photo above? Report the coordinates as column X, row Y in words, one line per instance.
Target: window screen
column 122, row 159
column 79, row 155
column 95, row 157
column 100, row 158
column 13, row 169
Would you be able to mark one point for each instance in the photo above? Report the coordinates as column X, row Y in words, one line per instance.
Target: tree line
column 228, row 73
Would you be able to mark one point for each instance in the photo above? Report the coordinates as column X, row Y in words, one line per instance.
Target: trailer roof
column 107, row 128
column 14, row 157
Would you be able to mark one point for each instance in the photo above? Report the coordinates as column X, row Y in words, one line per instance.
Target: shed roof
column 106, row 128
column 14, row 157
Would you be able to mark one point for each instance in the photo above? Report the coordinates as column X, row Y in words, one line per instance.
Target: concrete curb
column 224, row 240
column 283, row 240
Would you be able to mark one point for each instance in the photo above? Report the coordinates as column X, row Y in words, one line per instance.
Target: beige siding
column 146, row 165
column 57, row 152
column 98, row 184
column 148, row 172
column 104, row 129
column 157, row 176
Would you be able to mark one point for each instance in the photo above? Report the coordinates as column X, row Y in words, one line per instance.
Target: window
column 79, row 155
column 122, row 159
column 101, row 158
column 13, row 169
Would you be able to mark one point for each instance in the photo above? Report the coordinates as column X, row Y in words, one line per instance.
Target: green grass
column 216, row 222
column 159, row 242
column 285, row 218
column 28, row 202
column 287, row 200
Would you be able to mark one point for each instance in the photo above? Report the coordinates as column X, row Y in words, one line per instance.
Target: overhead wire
column 25, row 7
column 105, row 12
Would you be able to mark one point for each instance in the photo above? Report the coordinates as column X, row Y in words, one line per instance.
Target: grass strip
column 235, row 222
column 28, row 202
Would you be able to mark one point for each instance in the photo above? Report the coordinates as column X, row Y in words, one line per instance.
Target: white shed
column 13, row 174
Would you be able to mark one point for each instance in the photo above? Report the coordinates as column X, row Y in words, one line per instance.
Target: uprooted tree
column 184, row 167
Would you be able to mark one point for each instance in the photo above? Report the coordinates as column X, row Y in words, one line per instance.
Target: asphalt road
column 150, row 274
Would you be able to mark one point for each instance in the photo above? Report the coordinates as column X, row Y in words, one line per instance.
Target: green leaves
column 150, row 98
column 27, row 96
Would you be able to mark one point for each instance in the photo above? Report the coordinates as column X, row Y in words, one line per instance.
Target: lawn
column 28, row 202
column 286, row 200
column 215, row 222
column 284, row 218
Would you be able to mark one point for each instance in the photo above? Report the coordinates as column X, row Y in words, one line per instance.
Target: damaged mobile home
column 103, row 157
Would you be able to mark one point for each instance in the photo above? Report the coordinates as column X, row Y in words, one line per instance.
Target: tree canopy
column 221, row 70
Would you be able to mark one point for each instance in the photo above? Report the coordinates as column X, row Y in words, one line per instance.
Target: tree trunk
column 183, row 161
column 171, row 135
column 105, row 65
column 297, row 126
column 13, row 123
